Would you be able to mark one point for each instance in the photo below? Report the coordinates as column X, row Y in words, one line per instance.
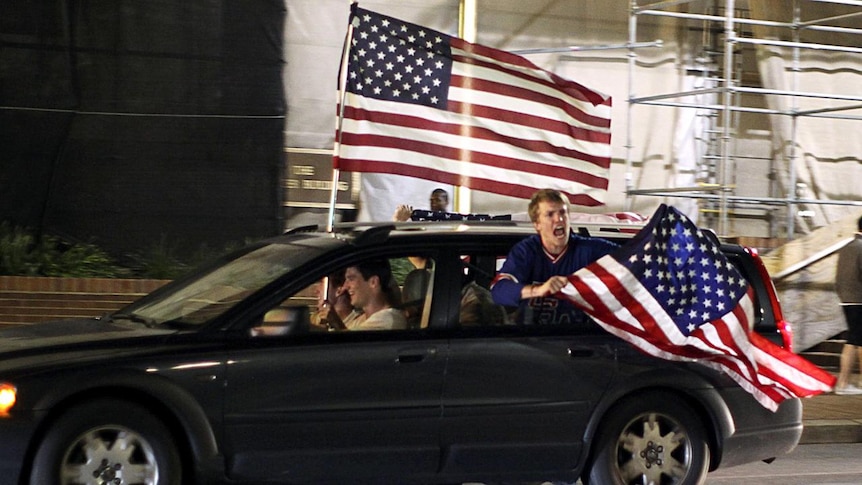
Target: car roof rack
column 306, row 228
column 368, row 233
column 373, row 235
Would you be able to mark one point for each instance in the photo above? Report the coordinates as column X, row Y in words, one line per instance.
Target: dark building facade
column 127, row 122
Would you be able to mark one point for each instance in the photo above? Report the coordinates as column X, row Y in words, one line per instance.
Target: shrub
column 24, row 254
column 159, row 262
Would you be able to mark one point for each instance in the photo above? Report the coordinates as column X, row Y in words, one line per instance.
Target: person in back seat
column 438, row 202
column 478, row 307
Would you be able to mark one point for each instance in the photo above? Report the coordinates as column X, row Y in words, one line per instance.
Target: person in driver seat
column 334, row 310
column 370, row 287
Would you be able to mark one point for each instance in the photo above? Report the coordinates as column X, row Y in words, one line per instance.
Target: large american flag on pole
column 424, row 104
column 672, row 293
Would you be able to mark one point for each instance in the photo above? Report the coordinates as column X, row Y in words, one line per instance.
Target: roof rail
column 711, row 235
column 306, row 228
column 373, row 235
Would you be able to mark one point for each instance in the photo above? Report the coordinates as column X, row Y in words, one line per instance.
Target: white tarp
column 663, row 143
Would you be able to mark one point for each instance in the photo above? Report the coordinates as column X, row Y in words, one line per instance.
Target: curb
column 819, row 431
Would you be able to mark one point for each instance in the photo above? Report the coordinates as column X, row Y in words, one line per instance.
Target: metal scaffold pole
column 724, row 162
column 740, row 95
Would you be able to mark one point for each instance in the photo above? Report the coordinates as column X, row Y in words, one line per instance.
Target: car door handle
column 413, row 356
column 575, row 352
column 410, row 358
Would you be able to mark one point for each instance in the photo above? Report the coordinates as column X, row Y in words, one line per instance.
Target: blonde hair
column 544, row 195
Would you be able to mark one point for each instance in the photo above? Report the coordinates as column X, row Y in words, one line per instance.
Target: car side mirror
column 282, row 321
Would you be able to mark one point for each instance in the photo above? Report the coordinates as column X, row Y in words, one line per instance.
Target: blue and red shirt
column 529, row 263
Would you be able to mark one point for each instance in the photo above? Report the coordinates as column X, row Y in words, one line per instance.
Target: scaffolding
column 729, row 33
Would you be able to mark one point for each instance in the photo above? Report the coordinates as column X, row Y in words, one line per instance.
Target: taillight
column 8, row 396
column 781, row 325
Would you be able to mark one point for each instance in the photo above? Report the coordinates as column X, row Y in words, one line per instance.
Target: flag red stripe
column 591, row 296
column 725, row 338
column 798, row 363
column 410, row 121
column 736, row 363
column 530, row 121
column 479, row 158
column 777, row 391
column 428, row 173
column 571, row 88
column 521, row 93
column 791, row 389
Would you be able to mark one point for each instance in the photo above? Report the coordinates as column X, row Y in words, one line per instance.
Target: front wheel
column 107, row 442
column 652, row 439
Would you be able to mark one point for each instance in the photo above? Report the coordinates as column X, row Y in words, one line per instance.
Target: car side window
column 745, row 272
column 548, row 314
column 371, row 294
column 416, row 292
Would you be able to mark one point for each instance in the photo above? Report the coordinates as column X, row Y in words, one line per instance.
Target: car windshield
column 216, row 291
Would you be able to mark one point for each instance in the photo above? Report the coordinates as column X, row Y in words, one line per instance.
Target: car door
column 334, row 406
column 521, row 395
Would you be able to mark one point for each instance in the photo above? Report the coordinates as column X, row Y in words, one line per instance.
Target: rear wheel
column 107, row 442
column 651, row 439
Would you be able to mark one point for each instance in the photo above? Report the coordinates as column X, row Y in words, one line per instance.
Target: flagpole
column 342, row 91
column 467, row 25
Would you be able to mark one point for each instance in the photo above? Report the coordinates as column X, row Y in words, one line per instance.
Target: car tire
column 107, row 439
column 653, row 438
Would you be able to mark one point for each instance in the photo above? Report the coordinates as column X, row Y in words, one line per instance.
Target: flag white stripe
column 524, row 105
column 609, row 300
column 734, row 358
column 449, row 141
column 502, row 128
column 537, row 74
column 527, row 108
column 423, row 161
column 789, row 372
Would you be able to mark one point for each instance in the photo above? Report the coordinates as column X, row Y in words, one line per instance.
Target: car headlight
column 8, row 396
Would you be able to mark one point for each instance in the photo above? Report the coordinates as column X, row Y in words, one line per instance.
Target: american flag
column 426, row 215
column 672, row 293
column 424, row 104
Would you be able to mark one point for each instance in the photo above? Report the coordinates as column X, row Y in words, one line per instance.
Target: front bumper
column 15, row 437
